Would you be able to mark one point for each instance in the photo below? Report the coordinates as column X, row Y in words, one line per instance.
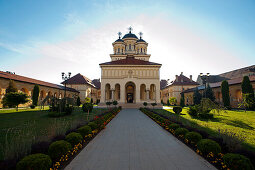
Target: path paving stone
column 132, row 141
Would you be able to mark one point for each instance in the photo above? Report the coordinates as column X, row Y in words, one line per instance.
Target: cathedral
column 130, row 78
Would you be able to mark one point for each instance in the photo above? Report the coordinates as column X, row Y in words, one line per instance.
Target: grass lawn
column 19, row 130
column 237, row 121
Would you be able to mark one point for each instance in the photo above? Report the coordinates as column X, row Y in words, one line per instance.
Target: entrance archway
column 130, row 92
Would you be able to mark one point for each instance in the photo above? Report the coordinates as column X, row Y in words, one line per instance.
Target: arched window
column 118, row 50
column 129, row 46
column 141, row 50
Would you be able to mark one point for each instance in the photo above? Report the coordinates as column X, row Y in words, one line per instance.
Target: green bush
column 237, row 161
column 59, row 148
column 92, row 125
column 206, row 115
column 181, row 131
column 84, row 130
column 193, row 111
column 35, row 161
column 177, row 109
column 74, row 138
column 68, row 110
column 207, row 145
column 193, row 137
column 174, row 126
column 32, row 106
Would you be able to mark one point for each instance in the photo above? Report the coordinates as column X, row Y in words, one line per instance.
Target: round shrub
column 74, row 138
column 32, row 106
column 207, row 145
column 85, row 130
column 35, row 161
column 193, row 111
column 237, row 161
column 59, row 148
column 92, row 125
column 193, row 137
column 181, row 131
column 177, row 109
column 87, row 107
column 174, row 126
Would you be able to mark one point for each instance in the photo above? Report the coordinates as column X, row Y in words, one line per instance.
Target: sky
column 41, row 39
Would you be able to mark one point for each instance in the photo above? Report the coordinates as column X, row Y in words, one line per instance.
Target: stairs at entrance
column 132, row 105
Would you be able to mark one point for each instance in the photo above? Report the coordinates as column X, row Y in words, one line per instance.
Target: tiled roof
column 163, row 84
column 238, row 73
column 212, row 79
column 129, row 61
column 79, row 79
column 16, row 77
column 181, row 80
column 97, row 83
column 218, row 84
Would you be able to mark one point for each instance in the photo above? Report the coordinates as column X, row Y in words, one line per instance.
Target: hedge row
column 60, row 151
column 207, row 148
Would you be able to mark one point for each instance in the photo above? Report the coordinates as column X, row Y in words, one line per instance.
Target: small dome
column 141, row 40
column 119, row 40
column 130, row 35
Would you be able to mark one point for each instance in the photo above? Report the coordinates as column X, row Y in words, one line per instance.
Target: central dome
column 130, row 35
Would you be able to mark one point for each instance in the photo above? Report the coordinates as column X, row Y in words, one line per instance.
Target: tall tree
column 208, row 93
column 35, row 95
column 14, row 99
column 12, row 87
column 78, row 102
column 225, row 93
column 182, row 101
column 197, row 97
column 248, row 91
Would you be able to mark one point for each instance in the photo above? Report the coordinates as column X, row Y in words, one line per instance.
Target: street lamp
column 204, row 80
column 65, row 77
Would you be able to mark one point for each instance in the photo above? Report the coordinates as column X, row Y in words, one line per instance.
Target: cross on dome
column 130, row 29
column 119, row 33
column 141, row 34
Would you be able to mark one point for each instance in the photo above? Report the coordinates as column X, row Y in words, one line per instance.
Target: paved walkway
column 133, row 141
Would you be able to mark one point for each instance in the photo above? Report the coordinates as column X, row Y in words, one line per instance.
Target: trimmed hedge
column 35, row 161
column 74, row 138
column 237, row 162
column 92, row 125
column 181, row 131
column 193, row 137
column 59, row 148
column 84, row 130
column 205, row 146
column 174, row 126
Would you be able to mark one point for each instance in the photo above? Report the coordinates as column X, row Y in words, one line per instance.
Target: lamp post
column 204, row 79
column 65, row 77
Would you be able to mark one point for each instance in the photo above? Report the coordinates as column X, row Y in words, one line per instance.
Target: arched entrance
column 130, row 92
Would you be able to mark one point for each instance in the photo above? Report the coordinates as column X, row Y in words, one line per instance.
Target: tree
column 225, row 94
column 35, row 95
column 78, row 102
column 246, row 102
column 182, row 101
column 108, row 104
column 87, row 100
column 208, row 93
column 172, row 100
column 87, row 107
column 115, row 103
column 154, row 104
column 12, row 87
column 145, row 104
column 14, row 99
column 197, row 97
column 248, row 91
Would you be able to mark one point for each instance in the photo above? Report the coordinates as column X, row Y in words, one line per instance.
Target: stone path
column 133, row 141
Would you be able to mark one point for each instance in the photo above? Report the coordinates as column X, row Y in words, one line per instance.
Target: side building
column 175, row 88
column 26, row 85
column 86, row 87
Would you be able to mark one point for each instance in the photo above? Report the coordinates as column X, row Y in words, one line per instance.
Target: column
column 137, row 94
column 147, row 95
column 122, row 93
column 157, row 91
column 113, row 97
column 102, row 99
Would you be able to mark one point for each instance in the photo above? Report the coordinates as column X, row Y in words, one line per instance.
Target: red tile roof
column 130, row 61
column 182, row 80
column 16, row 77
column 79, row 79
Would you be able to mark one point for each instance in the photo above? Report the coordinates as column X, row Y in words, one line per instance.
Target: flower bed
column 70, row 147
column 207, row 148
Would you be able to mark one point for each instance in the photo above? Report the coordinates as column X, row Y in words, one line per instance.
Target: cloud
column 175, row 46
